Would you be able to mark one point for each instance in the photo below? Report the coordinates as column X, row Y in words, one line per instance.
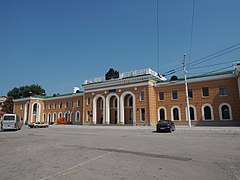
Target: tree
column 26, row 91
column 21, row 92
column 8, row 105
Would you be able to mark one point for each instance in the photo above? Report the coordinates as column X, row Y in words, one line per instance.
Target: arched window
column 54, row 117
column 193, row 115
column 66, row 116
column 162, row 113
column 207, row 112
column 175, row 111
column 60, row 115
column 77, row 116
column 225, row 111
column 49, row 118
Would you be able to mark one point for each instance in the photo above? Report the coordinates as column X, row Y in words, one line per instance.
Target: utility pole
column 186, row 91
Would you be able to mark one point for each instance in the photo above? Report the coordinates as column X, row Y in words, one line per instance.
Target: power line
column 214, row 55
column 210, row 65
column 207, row 58
column 214, row 71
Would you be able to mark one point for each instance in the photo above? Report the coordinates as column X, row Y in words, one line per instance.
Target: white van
column 11, row 121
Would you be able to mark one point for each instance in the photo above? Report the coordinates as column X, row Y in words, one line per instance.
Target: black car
column 165, row 125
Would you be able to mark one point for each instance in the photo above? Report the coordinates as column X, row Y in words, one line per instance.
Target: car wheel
column 170, row 130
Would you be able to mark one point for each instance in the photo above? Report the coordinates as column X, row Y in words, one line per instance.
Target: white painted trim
column 108, row 107
column 38, row 112
column 54, row 119
column 120, row 87
column 95, row 108
column 49, row 119
column 212, row 112
column 194, row 110
column 59, row 115
column 209, row 78
column 122, row 107
column 165, row 112
column 230, row 111
column 179, row 113
column 117, row 82
column 26, row 112
column 77, row 120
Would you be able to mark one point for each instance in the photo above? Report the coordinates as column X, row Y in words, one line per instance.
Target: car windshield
column 8, row 118
column 164, row 122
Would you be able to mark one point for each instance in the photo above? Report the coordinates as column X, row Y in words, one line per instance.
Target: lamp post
column 186, row 91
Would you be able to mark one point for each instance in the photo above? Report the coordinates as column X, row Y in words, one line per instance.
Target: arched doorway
column 112, row 109
column 99, row 110
column 36, row 112
column 128, row 108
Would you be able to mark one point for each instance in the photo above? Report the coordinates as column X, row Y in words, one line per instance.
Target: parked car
column 165, row 125
column 38, row 125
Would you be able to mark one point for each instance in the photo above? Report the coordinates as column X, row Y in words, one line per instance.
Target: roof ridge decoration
column 116, row 75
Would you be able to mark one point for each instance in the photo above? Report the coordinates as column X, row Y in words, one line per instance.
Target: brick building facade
column 140, row 97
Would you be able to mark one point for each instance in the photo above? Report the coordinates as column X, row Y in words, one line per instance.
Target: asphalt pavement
column 120, row 152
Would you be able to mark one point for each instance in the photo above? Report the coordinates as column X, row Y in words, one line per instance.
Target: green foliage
column 26, row 91
column 8, row 105
column 21, row 92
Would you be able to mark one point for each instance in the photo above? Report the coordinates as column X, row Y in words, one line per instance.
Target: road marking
column 61, row 173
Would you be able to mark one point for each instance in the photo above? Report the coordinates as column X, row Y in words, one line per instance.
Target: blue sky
column 60, row 43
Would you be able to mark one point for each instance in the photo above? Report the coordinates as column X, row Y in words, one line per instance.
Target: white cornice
column 48, row 99
column 115, row 82
column 120, row 87
column 201, row 79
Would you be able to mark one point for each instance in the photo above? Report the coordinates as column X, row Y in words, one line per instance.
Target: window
column 142, row 114
column 44, row 107
column 225, row 111
column 49, row 118
column 44, row 117
column 54, row 117
column 161, row 96
column 130, row 101
column 101, row 103
column 66, row 116
column 77, row 117
column 175, row 112
column 174, row 95
column 55, row 106
column 190, row 93
column 66, row 105
column 205, row 92
column 130, row 114
column 88, row 101
column 162, row 114
column 192, row 113
column 115, row 102
column 222, row 90
column 142, row 96
column 60, row 105
column 88, row 116
column 207, row 112
column 49, row 106
column 21, row 107
column 78, row 103
column 60, row 115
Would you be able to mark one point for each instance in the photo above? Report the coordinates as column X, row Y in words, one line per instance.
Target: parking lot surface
column 124, row 153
